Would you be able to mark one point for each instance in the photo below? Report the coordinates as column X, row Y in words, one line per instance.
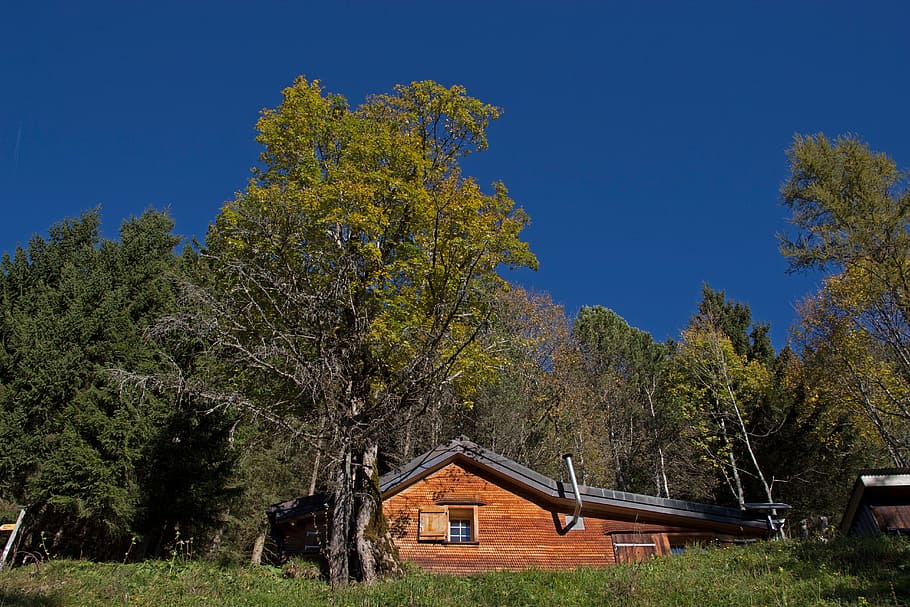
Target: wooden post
column 12, row 538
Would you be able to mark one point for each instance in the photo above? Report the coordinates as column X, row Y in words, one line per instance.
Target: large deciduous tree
column 351, row 280
column 851, row 210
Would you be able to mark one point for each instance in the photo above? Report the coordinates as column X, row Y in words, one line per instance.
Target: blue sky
column 646, row 140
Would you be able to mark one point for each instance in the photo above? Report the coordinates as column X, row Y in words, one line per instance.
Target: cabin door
column 635, row 547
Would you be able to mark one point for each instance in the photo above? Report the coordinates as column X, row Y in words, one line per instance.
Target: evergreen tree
column 98, row 466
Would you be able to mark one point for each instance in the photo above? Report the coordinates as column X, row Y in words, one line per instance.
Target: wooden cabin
column 460, row 508
column 880, row 503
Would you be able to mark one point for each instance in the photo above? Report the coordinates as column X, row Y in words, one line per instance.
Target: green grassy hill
column 843, row 572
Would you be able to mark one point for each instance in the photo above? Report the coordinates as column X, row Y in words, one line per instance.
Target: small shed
column 300, row 526
column 879, row 503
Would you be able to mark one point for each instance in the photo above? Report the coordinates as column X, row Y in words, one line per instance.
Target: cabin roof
column 595, row 499
column 297, row 507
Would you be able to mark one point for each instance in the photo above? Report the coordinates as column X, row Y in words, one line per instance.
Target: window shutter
column 434, row 524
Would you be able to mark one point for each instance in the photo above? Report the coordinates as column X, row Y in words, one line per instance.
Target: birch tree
column 723, row 382
column 718, row 392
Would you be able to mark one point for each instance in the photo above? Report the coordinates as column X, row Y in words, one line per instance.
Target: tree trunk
column 406, row 451
column 738, row 484
column 376, row 553
column 342, row 506
column 660, row 474
column 258, row 547
column 361, row 546
column 215, row 545
column 619, row 481
column 745, row 431
column 317, row 460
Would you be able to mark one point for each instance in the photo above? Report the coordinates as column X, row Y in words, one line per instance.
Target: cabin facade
column 463, row 509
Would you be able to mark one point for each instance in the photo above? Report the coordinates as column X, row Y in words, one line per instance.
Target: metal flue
column 576, row 516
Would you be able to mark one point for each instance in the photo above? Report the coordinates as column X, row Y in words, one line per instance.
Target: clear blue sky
column 645, row 139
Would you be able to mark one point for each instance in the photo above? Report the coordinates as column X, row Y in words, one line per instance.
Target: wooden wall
column 305, row 537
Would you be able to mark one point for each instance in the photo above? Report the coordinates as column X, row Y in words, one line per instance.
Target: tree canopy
column 353, row 277
column 345, row 312
column 851, row 208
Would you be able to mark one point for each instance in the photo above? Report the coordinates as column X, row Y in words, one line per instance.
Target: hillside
column 843, row 572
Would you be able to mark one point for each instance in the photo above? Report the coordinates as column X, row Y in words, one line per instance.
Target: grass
column 843, row 572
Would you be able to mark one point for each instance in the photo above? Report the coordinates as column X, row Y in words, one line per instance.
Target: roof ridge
column 883, row 471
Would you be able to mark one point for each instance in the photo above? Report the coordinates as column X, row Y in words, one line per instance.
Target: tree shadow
column 14, row 598
column 880, row 562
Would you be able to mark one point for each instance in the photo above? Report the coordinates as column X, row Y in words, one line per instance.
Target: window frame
column 466, row 514
column 429, row 528
column 460, row 531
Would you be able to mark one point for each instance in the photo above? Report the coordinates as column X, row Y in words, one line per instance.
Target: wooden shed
column 880, row 503
column 460, row 508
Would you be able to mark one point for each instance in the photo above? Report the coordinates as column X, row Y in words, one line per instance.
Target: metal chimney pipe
column 577, row 513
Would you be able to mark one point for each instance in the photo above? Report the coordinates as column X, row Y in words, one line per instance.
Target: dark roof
column 297, row 507
column 881, row 481
column 462, row 449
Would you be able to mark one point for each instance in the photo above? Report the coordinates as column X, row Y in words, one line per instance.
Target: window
column 447, row 524
column 459, row 530
column 304, row 535
column 312, row 542
column 461, row 525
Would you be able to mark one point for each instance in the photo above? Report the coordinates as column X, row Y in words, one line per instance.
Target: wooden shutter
column 434, row 524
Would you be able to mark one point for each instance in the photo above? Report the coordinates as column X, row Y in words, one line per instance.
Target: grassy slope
column 843, row 572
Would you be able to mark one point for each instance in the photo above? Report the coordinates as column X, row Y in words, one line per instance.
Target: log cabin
column 462, row 509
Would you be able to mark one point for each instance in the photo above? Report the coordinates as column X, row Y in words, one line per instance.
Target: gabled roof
column 891, row 482
column 297, row 507
column 595, row 500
